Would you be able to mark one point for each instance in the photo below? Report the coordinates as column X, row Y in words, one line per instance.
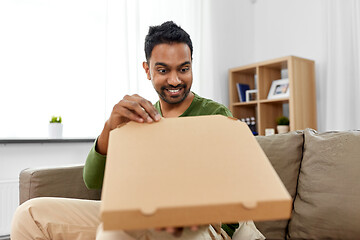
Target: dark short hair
column 168, row 32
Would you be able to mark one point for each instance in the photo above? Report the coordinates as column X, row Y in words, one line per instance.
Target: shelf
column 300, row 106
column 279, row 100
column 244, row 103
column 250, row 103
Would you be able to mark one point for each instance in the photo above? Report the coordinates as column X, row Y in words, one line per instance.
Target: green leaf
column 56, row 119
column 282, row 120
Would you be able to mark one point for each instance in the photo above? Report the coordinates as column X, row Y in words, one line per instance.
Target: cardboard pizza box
column 188, row 171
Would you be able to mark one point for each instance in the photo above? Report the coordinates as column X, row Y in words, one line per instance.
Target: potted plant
column 55, row 127
column 282, row 124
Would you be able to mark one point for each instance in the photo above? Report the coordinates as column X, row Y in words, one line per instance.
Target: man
column 168, row 66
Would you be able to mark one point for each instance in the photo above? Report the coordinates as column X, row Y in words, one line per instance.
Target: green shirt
column 201, row 106
column 95, row 163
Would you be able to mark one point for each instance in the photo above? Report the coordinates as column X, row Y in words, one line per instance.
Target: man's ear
column 147, row 70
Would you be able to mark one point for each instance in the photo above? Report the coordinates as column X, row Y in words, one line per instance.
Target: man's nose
column 174, row 79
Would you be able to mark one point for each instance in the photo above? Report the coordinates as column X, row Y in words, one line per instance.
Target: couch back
column 55, row 182
column 320, row 171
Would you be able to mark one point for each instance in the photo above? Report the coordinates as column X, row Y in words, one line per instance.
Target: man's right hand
column 130, row 108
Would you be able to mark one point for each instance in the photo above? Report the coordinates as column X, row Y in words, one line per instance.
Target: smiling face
column 169, row 69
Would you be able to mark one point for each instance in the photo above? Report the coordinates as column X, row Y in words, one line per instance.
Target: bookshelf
column 299, row 106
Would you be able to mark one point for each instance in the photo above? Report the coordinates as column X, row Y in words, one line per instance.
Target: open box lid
column 188, row 171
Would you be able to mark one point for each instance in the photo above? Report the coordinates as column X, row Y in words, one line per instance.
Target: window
column 77, row 58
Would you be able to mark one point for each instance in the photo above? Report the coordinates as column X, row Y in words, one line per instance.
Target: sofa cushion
column 64, row 181
column 327, row 204
column 284, row 152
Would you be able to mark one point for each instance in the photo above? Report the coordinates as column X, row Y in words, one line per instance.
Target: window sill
column 45, row 140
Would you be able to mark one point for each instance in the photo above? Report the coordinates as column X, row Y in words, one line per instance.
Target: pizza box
column 188, row 171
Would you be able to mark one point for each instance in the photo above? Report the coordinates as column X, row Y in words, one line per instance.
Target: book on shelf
column 242, row 88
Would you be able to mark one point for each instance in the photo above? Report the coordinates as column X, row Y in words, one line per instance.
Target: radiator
column 9, row 200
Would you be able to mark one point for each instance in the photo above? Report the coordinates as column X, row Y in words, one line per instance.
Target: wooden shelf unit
column 300, row 106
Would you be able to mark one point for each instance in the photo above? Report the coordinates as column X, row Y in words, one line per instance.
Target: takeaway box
column 188, row 171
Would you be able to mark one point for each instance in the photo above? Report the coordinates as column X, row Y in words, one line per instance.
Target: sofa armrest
column 64, row 182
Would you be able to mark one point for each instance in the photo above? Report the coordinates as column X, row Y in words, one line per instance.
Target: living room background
column 65, row 58
column 78, row 58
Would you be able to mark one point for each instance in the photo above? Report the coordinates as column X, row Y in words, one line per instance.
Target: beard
column 173, row 100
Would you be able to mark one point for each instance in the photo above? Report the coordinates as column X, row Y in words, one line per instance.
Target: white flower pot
column 282, row 128
column 55, row 130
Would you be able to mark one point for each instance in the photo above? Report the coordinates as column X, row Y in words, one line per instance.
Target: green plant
column 282, row 120
column 55, row 119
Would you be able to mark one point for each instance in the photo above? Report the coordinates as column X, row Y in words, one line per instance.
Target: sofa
column 321, row 171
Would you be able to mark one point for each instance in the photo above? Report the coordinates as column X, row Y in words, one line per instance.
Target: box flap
column 185, row 171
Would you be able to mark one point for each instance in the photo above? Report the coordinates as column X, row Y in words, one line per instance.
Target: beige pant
column 74, row 219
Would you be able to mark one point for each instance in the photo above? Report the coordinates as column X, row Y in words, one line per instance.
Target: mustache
column 172, row 86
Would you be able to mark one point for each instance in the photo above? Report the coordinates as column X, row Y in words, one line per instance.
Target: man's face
column 170, row 71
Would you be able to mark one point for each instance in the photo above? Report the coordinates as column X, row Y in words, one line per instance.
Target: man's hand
column 176, row 231
column 130, row 108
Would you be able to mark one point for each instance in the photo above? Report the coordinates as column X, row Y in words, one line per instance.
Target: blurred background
column 78, row 58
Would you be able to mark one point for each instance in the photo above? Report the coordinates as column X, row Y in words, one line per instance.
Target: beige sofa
column 320, row 170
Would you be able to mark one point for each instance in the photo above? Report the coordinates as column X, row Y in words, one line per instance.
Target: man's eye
column 162, row 70
column 185, row 69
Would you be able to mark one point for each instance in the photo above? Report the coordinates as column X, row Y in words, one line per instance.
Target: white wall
column 248, row 31
column 15, row 157
column 285, row 28
column 231, row 33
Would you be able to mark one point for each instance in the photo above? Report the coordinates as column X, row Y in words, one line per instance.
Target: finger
column 194, row 228
column 148, row 107
column 123, row 112
column 136, row 108
column 170, row 229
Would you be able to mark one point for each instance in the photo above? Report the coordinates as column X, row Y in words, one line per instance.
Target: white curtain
column 52, row 56
column 339, row 88
column 128, row 24
column 77, row 58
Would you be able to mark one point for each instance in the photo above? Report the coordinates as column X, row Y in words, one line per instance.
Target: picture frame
column 279, row 89
column 251, row 95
